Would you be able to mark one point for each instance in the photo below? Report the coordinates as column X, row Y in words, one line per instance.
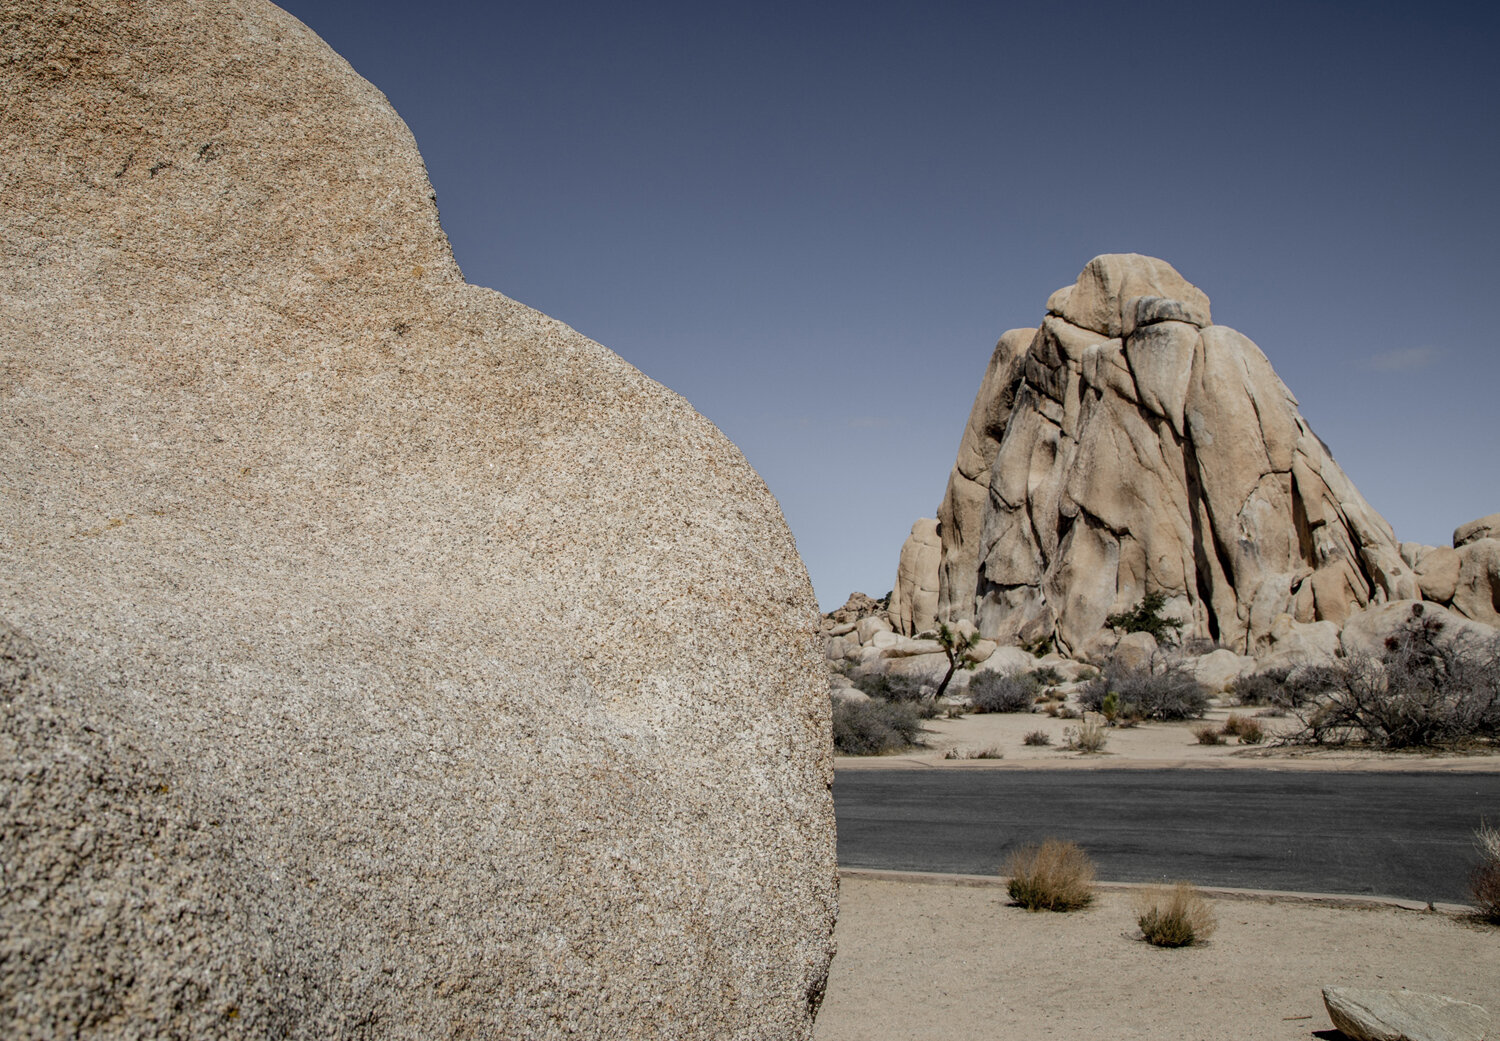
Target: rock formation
column 1130, row 445
column 378, row 657
column 1465, row 577
column 914, row 600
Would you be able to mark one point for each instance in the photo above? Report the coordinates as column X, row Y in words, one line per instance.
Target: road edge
column 1270, row 896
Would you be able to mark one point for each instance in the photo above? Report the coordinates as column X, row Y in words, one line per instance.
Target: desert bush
column 899, row 690
column 1047, row 676
column 1003, row 692
column 1174, row 916
column 875, row 727
column 1208, row 735
column 1086, row 737
column 1423, row 691
column 1165, row 690
column 1146, row 617
column 1484, row 883
column 889, row 687
column 1037, row 738
column 1286, row 687
column 1055, row 876
column 1198, row 646
column 1245, row 728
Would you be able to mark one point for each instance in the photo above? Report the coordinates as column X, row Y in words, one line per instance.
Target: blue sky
column 814, row 220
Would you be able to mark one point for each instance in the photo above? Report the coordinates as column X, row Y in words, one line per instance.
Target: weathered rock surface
column 1294, row 644
column 1134, row 651
column 1402, row 1015
column 915, row 597
column 1217, row 670
column 1436, row 568
column 1366, row 633
column 1128, row 445
column 1483, row 528
column 1476, row 593
column 381, row 658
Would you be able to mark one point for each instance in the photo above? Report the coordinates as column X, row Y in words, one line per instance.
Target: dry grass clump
column 1087, row 737
column 1208, row 735
column 1484, row 883
column 1037, row 738
column 974, row 753
column 1174, row 916
column 1055, row 876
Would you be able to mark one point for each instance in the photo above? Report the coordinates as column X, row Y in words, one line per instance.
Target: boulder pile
column 1128, row 445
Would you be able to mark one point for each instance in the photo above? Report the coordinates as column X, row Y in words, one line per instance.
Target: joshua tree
column 956, row 646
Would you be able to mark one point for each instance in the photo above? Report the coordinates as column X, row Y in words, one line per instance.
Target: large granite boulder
column 380, row 658
column 1128, row 445
column 1368, row 1014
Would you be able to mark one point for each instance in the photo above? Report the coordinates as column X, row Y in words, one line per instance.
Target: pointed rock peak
column 1108, row 296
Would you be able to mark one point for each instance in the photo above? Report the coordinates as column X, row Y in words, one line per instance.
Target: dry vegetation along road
column 1407, row 835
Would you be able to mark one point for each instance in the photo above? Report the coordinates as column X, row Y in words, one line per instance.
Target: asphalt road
column 1407, row 835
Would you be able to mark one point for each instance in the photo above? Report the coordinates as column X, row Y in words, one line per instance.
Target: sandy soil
column 919, row 961
column 1149, row 745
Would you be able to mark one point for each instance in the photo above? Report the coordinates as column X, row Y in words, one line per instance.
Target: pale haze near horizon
column 814, row 222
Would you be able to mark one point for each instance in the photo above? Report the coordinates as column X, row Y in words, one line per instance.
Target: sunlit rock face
column 1129, row 445
column 378, row 657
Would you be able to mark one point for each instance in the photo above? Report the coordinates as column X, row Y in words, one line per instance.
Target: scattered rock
column 1403, row 1015
column 379, row 661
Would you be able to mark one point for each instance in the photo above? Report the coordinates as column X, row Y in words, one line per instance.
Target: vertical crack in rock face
column 1128, row 445
column 378, row 657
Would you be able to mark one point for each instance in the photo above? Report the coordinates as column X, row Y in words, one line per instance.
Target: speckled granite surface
column 380, row 658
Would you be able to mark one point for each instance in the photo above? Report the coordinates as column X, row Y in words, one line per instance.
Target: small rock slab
column 1403, row 1015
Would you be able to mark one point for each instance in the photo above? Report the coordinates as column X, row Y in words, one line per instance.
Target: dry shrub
column 1003, row 692
column 1037, row 738
column 1087, row 737
column 1208, row 735
column 1165, row 690
column 1245, row 728
column 1174, row 916
column 875, row 727
column 1055, row 876
column 1484, row 883
column 1428, row 688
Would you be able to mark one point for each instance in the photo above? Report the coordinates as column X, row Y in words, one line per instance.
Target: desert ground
column 918, row 961
column 933, row 957
column 1148, row 746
